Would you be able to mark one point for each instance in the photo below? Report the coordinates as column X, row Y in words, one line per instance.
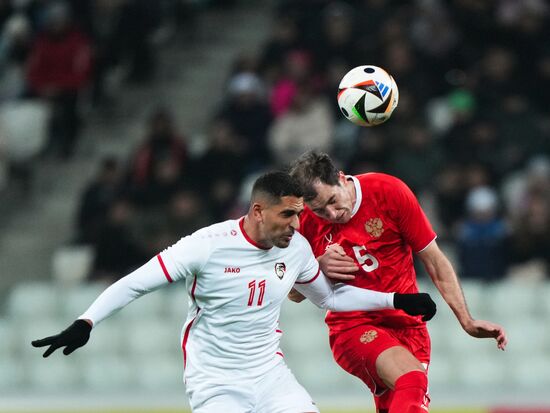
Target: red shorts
column 357, row 349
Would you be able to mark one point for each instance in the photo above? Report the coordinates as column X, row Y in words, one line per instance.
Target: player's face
column 280, row 221
column 333, row 202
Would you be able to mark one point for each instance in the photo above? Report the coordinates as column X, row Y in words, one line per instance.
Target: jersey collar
column 250, row 240
column 358, row 194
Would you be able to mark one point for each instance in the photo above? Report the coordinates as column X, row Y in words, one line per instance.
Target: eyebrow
column 290, row 212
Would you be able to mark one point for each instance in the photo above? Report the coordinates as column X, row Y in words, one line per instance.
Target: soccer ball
column 367, row 95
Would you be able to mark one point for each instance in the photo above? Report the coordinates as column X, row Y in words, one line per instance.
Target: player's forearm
column 348, row 298
column 342, row 297
column 445, row 279
column 145, row 279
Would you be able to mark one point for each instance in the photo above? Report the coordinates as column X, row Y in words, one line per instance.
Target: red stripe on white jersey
column 280, row 354
column 310, row 281
column 185, row 337
column 188, row 328
column 161, row 262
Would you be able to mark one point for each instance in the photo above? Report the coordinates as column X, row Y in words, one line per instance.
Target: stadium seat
column 8, row 338
column 74, row 300
column 530, row 373
column 57, row 373
column 33, row 300
column 107, row 373
column 543, row 298
column 152, row 336
column 479, row 371
column 23, row 128
column 442, row 370
column 11, row 374
column 106, row 339
column 159, row 372
column 528, row 337
column 72, row 263
column 510, row 298
column 476, row 297
column 33, row 329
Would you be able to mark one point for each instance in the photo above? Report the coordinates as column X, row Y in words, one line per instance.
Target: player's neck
column 254, row 234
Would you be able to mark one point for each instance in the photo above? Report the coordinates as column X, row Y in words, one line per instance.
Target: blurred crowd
column 61, row 58
column 471, row 134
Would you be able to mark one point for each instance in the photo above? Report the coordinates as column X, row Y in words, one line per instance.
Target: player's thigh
column 395, row 361
column 356, row 351
column 280, row 392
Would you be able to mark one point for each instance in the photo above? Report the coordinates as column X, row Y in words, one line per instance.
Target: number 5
column 364, row 258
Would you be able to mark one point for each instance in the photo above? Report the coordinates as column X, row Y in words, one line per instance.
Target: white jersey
column 236, row 289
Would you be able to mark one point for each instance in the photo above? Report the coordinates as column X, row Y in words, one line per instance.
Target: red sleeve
column 413, row 223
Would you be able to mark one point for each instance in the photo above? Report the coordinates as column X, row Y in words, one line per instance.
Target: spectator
column 115, row 235
column 220, row 169
column 59, row 69
column 307, row 125
column 97, row 199
column 418, row 158
column 247, row 112
column 296, row 71
column 530, row 240
column 482, row 237
column 160, row 161
column 15, row 44
column 187, row 212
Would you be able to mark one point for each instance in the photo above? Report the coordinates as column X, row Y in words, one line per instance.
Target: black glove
column 415, row 304
column 75, row 336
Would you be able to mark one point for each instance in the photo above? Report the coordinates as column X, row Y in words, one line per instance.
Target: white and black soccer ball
column 367, row 95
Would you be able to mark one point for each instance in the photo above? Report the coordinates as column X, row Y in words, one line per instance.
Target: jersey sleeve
column 185, row 258
column 413, row 223
column 342, row 297
column 310, row 267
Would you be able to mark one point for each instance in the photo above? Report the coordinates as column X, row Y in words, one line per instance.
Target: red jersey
column 386, row 227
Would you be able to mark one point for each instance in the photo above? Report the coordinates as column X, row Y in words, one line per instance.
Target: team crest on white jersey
column 280, row 269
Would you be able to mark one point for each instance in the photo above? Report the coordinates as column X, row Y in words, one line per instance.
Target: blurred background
column 127, row 124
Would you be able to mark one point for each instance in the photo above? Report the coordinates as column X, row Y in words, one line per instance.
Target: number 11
column 252, row 288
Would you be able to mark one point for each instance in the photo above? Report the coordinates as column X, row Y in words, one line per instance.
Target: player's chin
column 283, row 242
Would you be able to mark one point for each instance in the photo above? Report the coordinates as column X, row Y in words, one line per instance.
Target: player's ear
column 342, row 177
column 257, row 209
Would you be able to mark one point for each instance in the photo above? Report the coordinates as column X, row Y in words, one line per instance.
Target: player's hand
column 75, row 336
column 416, row 304
column 486, row 329
column 336, row 265
column 295, row 296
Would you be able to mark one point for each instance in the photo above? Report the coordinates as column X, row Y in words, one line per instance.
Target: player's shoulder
column 300, row 244
column 217, row 234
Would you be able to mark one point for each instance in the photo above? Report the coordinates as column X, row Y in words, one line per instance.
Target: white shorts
column 277, row 391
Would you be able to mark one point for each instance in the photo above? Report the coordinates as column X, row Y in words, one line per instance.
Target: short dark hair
column 311, row 167
column 276, row 185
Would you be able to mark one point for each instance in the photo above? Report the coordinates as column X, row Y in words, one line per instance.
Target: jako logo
column 232, row 270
